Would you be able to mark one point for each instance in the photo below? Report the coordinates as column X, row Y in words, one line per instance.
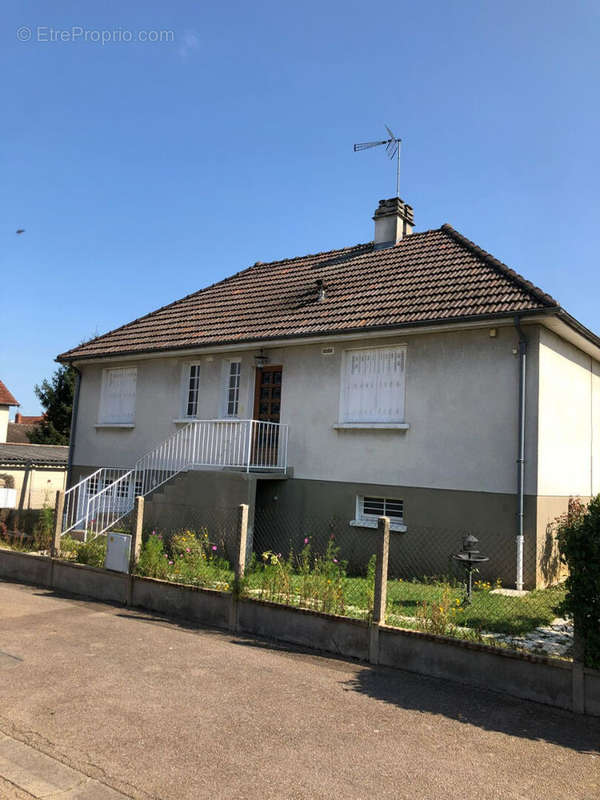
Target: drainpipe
column 73, row 425
column 521, row 452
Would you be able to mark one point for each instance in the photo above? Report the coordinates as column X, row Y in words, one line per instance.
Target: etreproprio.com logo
column 77, row 33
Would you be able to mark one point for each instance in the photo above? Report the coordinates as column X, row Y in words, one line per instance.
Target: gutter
column 284, row 340
column 523, row 342
column 73, row 424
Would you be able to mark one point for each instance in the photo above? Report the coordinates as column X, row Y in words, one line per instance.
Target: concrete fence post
column 59, row 507
column 136, row 532
column 380, row 594
column 136, row 544
column 239, row 565
column 241, row 539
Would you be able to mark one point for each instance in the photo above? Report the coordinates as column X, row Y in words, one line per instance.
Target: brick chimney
column 393, row 221
column 18, row 418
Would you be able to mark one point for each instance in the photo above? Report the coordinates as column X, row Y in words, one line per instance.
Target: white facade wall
column 569, row 419
column 461, row 405
column 4, row 414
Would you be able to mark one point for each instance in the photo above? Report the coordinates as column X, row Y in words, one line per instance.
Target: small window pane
column 232, row 389
column 192, row 391
column 371, row 507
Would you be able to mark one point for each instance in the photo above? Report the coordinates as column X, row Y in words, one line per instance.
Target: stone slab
column 45, row 777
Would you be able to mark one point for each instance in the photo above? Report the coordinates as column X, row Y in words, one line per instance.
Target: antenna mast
column 392, row 148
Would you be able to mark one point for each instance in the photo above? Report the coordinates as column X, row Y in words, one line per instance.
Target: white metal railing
column 101, row 499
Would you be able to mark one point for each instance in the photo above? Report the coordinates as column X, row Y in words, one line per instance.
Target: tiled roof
column 18, row 433
column 40, row 454
column 6, row 398
column 437, row 275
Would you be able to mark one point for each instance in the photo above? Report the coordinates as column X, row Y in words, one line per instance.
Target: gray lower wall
column 530, row 677
column 283, row 512
column 437, row 519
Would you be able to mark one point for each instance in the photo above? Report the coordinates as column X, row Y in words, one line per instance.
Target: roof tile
column 437, row 275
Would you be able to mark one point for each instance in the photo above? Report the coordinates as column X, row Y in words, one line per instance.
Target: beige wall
column 461, row 404
column 569, row 420
column 41, row 485
column 4, row 412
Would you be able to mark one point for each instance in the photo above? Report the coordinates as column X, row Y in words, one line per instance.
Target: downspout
column 521, row 452
column 73, row 425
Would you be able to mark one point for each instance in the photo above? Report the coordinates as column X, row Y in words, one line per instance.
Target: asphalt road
column 147, row 707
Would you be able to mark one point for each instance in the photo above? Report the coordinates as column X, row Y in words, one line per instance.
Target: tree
column 56, row 397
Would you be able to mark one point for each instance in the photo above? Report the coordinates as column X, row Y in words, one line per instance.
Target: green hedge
column 578, row 533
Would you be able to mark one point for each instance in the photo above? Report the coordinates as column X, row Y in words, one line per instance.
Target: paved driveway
column 152, row 708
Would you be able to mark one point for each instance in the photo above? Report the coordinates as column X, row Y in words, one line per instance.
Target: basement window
column 369, row 509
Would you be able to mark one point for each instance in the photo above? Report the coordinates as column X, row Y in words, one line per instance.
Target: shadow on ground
column 488, row 710
column 468, row 705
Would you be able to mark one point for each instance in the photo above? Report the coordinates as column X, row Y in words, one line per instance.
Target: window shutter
column 118, row 396
column 373, row 385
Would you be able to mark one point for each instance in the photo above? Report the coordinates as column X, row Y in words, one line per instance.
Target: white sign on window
column 117, row 400
column 373, row 385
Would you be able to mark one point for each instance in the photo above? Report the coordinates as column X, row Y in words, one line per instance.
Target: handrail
column 100, row 500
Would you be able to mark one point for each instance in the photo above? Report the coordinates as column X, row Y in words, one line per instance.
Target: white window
column 232, row 389
column 191, row 390
column 373, row 385
column 117, row 399
column 369, row 509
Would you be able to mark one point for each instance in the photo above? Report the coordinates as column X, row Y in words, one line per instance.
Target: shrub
column 92, row 553
column 305, row 580
column 439, row 616
column 578, row 534
column 7, row 480
column 152, row 562
column 44, row 528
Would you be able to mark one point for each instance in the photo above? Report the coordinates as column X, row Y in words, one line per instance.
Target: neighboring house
column 38, row 472
column 385, row 378
column 22, row 425
column 6, row 401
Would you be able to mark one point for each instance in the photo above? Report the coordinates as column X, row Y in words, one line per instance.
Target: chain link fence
column 325, row 564
column 328, row 565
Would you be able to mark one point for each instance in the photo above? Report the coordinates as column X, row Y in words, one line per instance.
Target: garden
column 318, row 580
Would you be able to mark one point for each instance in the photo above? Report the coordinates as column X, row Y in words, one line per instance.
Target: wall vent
column 327, row 351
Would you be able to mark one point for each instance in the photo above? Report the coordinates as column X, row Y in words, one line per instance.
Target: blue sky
column 143, row 171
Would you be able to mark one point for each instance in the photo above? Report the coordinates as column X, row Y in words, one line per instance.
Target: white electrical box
column 118, row 548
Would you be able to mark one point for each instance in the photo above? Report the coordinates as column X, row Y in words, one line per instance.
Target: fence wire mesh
column 195, row 547
column 321, row 562
column 426, row 587
column 312, row 563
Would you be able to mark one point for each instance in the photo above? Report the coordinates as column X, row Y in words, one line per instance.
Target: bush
column 578, row 534
column 44, row 528
column 92, row 553
column 307, row 579
column 152, row 562
column 7, row 480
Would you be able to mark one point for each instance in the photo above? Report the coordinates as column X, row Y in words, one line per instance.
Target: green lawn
column 488, row 612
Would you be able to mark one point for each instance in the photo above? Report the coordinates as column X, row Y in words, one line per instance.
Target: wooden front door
column 267, row 408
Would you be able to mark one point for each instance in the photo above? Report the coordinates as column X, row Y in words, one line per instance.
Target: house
column 6, row 401
column 22, row 425
column 414, row 376
column 33, row 472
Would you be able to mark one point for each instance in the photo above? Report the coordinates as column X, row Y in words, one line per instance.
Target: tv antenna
column 392, row 148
